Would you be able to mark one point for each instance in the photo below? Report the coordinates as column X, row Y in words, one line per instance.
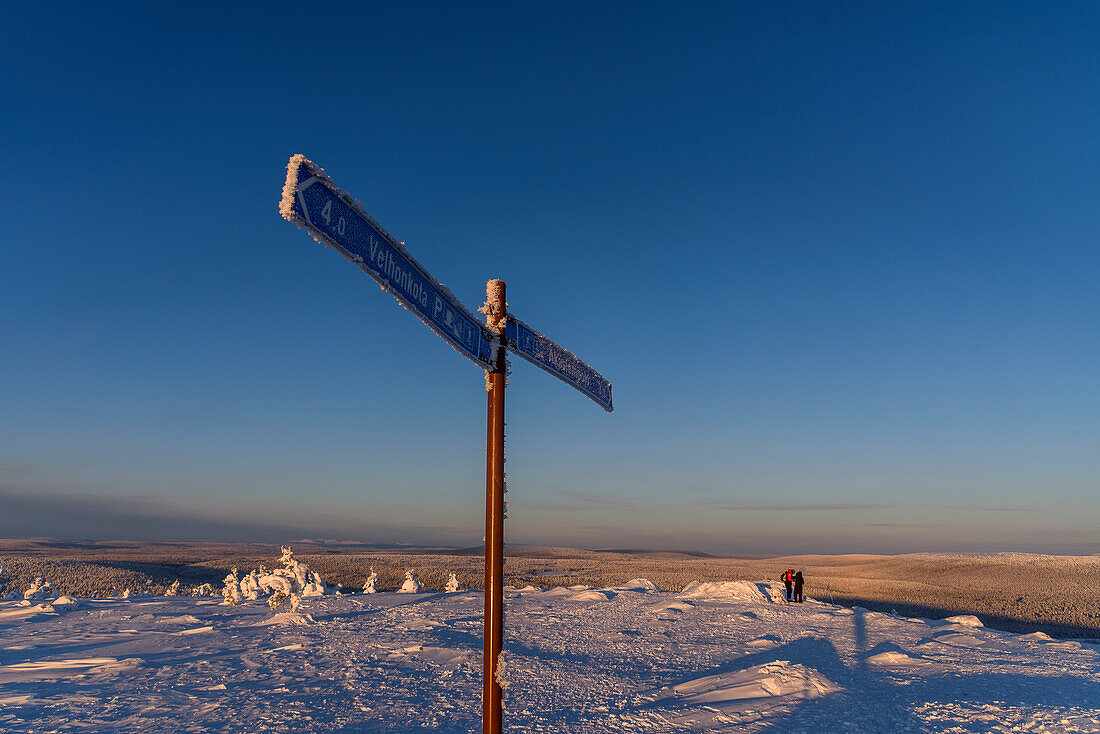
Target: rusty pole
column 491, row 702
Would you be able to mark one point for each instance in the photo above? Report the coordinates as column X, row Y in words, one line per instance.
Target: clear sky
column 840, row 264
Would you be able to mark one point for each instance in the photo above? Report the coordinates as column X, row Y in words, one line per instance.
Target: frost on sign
column 558, row 361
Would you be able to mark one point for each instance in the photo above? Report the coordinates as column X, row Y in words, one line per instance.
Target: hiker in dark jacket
column 798, row 587
column 788, row 578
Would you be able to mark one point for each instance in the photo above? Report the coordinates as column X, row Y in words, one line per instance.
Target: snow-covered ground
column 724, row 656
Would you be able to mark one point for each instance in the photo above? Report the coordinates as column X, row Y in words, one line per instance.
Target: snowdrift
column 758, row 591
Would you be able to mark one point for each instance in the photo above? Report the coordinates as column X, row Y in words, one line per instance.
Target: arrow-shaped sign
column 558, row 361
column 312, row 200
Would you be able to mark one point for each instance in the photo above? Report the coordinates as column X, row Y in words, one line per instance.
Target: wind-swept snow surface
column 718, row 657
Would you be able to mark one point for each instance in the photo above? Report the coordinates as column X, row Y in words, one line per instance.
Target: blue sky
column 839, row 264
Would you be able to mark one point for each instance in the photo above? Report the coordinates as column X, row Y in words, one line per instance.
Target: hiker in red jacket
column 788, row 578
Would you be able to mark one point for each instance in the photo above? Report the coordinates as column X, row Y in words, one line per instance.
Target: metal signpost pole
column 491, row 702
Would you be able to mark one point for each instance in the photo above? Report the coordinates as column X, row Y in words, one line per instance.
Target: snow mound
column 766, row 641
column 197, row 630
column 672, row 610
column 1037, row 637
column 438, row 656
column 287, row 618
column 563, row 591
column 951, row 637
column 748, row 692
column 644, row 586
column 182, row 619
column 895, row 659
column 591, row 595
column 966, row 620
column 725, row 591
column 57, row 669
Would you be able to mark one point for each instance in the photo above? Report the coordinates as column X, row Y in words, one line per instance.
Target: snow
column 372, row 580
column 724, row 656
column 411, row 585
column 745, row 696
column 732, row 591
column 495, row 318
column 453, row 586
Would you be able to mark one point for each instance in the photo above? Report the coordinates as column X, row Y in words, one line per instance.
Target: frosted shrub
column 174, row 589
column 411, row 585
column 231, row 593
column 279, row 597
column 40, row 589
column 204, row 590
column 293, row 581
column 250, row 586
column 315, row 587
column 282, row 588
column 369, row 587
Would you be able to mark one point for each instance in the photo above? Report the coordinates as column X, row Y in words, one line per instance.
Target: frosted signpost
column 311, row 200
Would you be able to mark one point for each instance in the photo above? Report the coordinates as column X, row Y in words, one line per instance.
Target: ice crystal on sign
column 495, row 318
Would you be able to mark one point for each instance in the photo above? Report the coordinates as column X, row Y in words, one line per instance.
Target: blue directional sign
column 312, row 200
column 558, row 361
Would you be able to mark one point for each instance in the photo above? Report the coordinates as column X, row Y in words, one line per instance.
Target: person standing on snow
column 798, row 587
column 788, row 578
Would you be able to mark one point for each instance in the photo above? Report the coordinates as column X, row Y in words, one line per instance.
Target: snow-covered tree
column 411, row 585
column 204, row 590
column 369, row 587
column 290, row 581
column 174, row 589
column 452, row 585
column 231, row 592
column 40, row 589
column 250, row 586
column 315, row 587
